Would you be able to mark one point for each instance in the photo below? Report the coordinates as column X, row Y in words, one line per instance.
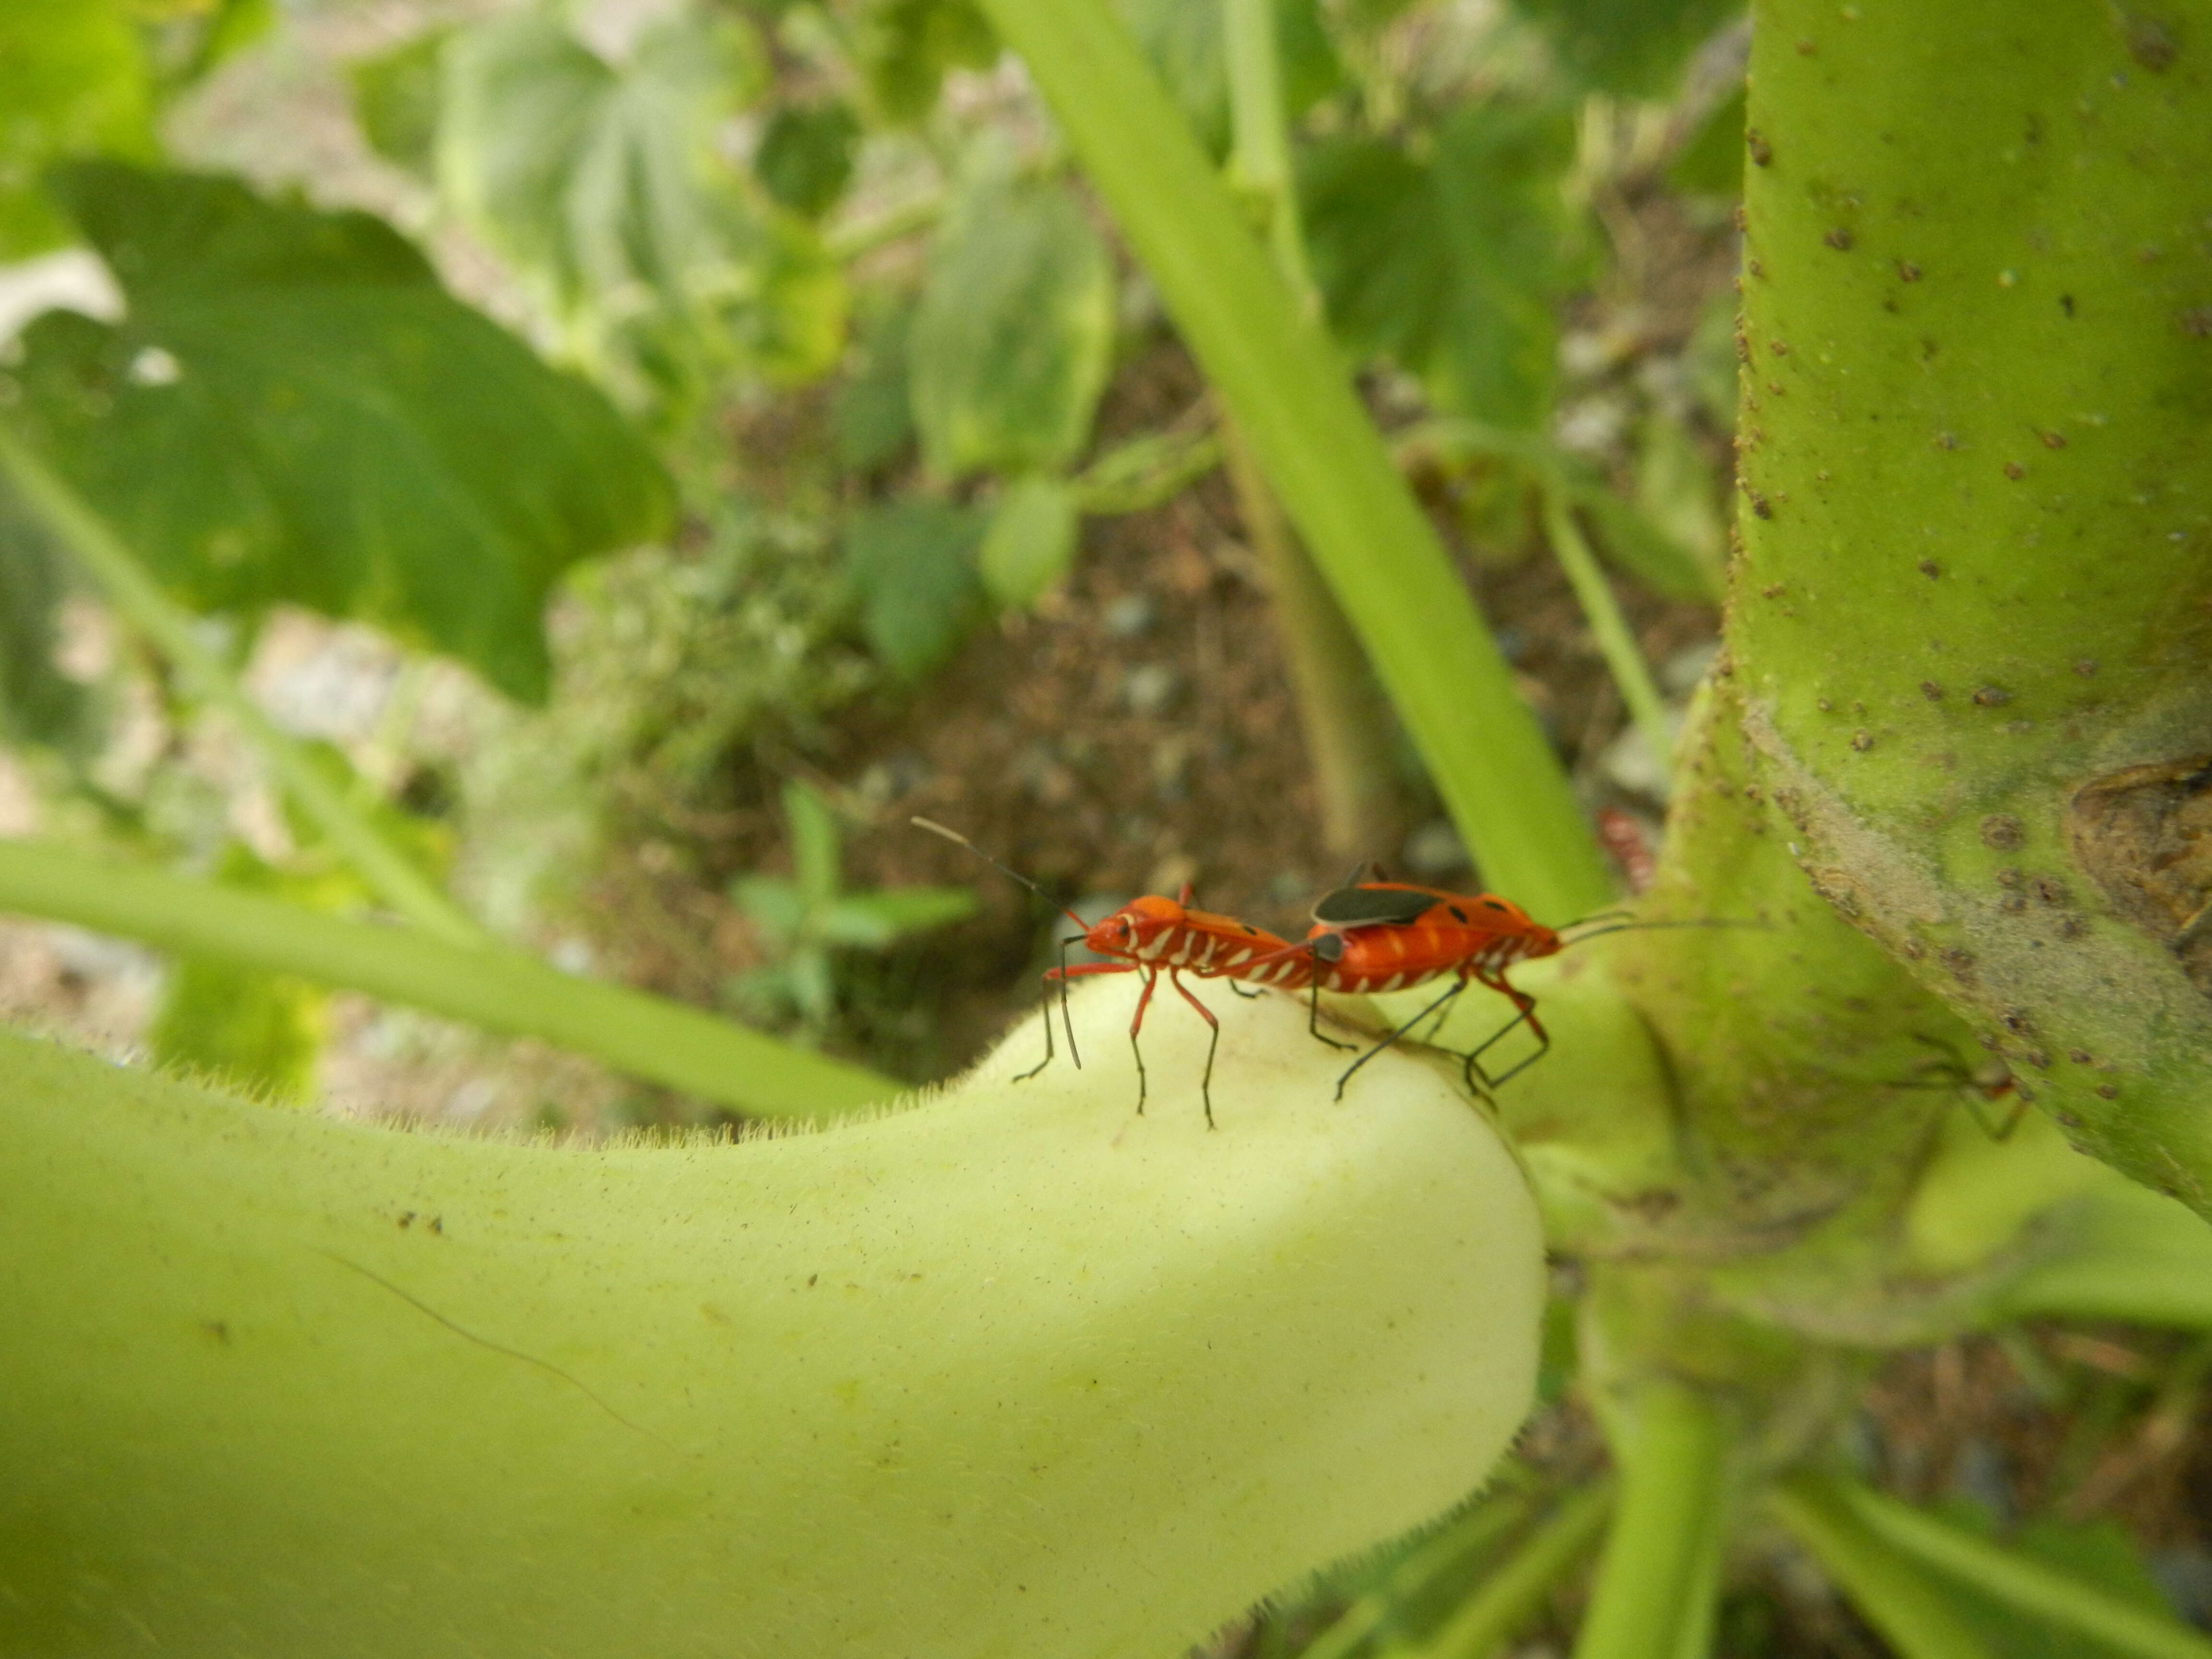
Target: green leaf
column 1711, row 163
column 294, row 410
column 1030, row 542
column 1450, row 265
column 871, row 920
column 2098, row 1554
column 1632, row 48
column 787, row 316
column 74, row 80
column 1011, row 343
column 871, row 413
column 395, row 100
column 814, row 843
column 601, row 179
column 904, row 47
column 919, row 595
column 772, row 904
column 1184, row 39
column 38, row 703
column 805, row 156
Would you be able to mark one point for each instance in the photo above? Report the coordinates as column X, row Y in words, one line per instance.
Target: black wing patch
column 1366, row 906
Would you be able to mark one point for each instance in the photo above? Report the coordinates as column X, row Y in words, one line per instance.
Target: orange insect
column 1378, row 936
column 1150, row 936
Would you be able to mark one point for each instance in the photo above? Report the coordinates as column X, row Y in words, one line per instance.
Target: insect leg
column 1313, row 1021
column 1061, row 976
column 1457, row 986
column 1205, row 1082
column 1527, row 1005
column 1143, row 998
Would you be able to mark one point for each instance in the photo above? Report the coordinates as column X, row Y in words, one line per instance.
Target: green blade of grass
column 2036, row 1588
column 1656, row 1563
column 1509, row 1596
column 1910, row 1613
column 1289, row 394
column 499, row 989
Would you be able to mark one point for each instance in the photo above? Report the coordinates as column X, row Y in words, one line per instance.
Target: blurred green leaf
column 871, row 920
column 904, row 47
column 871, row 414
column 1632, row 48
column 294, row 410
column 38, row 703
column 1010, row 345
column 814, row 844
column 600, row 179
column 257, row 1030
column 1144, row 471
column 787, row 314
column 395, row 101
column 1450, row 265
column 1030, row 542
column 805, row 156
column 909, row 563
column 2099, row 1553
column 1711, row 163
column 1674, row 497
column 1183, row 39
column 772, row 904
column 74, row 80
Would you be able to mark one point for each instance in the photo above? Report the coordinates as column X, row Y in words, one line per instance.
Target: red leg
column 1205, row 1082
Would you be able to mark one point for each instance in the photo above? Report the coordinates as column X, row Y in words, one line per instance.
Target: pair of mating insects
column 1367, row 937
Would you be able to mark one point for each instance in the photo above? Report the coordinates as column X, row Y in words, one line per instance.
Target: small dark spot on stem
column 2106, row 1091
column 1754, row 267
column 2069, row 928
column 2012, row 904
column 2052, row 440
column 1862, row 740
column 1822, row 704
column 1760, row 509
column 1907, row 271
column 1930, row 569
column 1838, row 238
column 2048, row 890
column 406, row 1219
column 1806, row 48
column 2016, row 1021
column 2001, row 833
column 2197, row 322
column 2078, row 1056
column 1947, row 441
column 2014, row 470
column 2151, row 43
column 2066, row 304
column 1992, row 696
column 1779, row 347
column 2007, row 877
column 1762, row 153
column 2086, row 666
column 1771, row 591
column 1930, row 690
column 2038, row 1058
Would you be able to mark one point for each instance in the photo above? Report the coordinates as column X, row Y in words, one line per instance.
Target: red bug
column 1150, row 936
column 1377, row 936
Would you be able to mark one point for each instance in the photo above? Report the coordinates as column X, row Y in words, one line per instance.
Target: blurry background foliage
column 846, row 223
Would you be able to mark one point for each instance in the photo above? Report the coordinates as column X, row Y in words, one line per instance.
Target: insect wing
column 1366, row 906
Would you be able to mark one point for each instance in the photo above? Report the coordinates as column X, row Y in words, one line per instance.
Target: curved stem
column 1444, row 1554
column 1510, row 1596
column 2035, row 1587
column 142, row 604
column 1622, row 660
column 1910, row 1613
column 499, row 989
column 1281, row 378
column 1650, row 1579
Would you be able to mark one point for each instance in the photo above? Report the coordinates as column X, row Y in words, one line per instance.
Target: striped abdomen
column 1374, row 960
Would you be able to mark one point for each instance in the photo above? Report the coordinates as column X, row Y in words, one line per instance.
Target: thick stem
column 1282, row 381
column 499, row 989
column 1973, row 606
column 1657, row 1562
column 1345, row 721
column 1624, row 661
column 1912, row 1616
column 1510, row 1596
column 143, row 606
column 2035, row 1587
column 1259, row 154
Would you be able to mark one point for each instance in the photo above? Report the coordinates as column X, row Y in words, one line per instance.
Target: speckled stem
column 1972, row 613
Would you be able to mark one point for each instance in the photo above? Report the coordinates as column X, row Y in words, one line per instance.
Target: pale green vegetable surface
column 1016, row 1371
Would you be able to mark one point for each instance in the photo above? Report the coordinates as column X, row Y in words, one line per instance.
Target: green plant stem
column 1260, row 152
column 1672, row 1479
column 1346, row 725
column 144, row 607
column 1912, row 1614
column 1283, row 381
column 2035, row 1587
column 1509, row 1596
column 498, row 988
column 1631, row 676
column 1444, row 1554
column 1344, row 719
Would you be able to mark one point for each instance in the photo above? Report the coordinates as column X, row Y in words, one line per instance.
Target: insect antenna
column 1066, row 1018
column 1641, row 926
column 959, row 840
